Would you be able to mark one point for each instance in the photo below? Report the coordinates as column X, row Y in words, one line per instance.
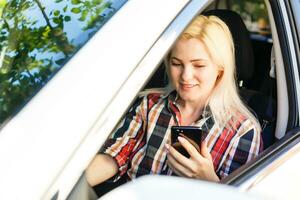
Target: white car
column 70, row 69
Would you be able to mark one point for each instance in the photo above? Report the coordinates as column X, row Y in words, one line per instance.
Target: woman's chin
column 187, row 96
column 191, row 96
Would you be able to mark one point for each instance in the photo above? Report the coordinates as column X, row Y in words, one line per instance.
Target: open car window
column 258, row 89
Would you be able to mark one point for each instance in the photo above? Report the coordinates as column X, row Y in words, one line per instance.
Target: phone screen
column 191, row 133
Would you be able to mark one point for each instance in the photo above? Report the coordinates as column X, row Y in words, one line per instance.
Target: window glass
column 255, row 16
column 37, row 37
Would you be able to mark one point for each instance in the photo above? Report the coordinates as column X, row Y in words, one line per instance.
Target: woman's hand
column 199, row 165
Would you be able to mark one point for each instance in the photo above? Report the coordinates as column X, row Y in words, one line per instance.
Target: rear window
column 37, row 38
column 255, row 16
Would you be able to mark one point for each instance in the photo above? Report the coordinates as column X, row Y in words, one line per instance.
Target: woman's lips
column 187, row 86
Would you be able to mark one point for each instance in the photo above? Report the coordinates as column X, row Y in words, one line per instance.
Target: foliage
column 254, row 9
column 2, row 6
column 34, row 44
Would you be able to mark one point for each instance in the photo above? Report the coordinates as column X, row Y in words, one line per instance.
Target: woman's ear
column 220, row 72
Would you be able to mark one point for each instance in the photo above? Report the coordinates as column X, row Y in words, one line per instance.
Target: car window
column 37, row 38
column 255, row 16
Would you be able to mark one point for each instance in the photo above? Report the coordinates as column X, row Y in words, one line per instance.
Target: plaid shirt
column 138, row 142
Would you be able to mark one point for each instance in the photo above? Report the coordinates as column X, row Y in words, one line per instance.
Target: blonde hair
column 224, row 100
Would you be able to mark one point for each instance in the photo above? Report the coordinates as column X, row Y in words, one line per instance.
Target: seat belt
column 269, row 112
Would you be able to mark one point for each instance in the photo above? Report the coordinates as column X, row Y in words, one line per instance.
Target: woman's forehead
column 192, row 49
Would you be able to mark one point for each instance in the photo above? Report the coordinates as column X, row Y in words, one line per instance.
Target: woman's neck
column 190, row 111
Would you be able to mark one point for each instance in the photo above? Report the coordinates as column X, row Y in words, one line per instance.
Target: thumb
column 204, row 150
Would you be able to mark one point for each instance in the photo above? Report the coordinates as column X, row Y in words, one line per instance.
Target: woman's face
column 191, row 70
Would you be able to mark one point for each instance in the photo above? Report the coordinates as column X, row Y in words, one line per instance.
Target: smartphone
column 193, row 134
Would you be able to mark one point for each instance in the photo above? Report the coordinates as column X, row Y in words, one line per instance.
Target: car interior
column 256, row 76
column 253, row 64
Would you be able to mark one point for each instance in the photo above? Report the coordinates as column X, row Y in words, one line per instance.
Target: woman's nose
column 187, row 73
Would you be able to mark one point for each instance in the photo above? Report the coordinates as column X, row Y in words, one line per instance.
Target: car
column 70, row 70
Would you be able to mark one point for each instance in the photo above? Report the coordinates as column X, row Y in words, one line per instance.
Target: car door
column 47, row 145
column 257, row 175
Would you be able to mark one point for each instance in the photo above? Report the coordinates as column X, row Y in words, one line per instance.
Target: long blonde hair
column 224, row 100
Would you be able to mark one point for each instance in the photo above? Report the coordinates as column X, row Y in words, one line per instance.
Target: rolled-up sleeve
column 245, row 147
column 127, row 136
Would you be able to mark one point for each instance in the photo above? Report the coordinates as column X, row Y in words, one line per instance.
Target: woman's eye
column 199, row 66
column 175, row 64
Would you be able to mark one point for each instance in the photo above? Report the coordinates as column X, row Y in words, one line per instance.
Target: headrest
column 243, row 49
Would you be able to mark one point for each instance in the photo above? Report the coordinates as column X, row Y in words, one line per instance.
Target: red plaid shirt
column 138, row 142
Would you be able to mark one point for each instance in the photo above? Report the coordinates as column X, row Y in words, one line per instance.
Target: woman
column 202, row 92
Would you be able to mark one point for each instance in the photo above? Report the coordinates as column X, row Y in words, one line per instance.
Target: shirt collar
column 171, row 95
column 206, row 116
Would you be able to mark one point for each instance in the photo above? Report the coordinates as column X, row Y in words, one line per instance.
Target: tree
column 33, row 47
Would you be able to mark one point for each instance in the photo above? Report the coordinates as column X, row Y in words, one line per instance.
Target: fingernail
column 180, row 138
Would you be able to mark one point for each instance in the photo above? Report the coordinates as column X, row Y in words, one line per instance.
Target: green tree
column 33, row 49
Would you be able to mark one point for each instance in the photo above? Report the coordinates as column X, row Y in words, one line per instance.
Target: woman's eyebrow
column 199, row 59
column 193, row 60
column 176, row 59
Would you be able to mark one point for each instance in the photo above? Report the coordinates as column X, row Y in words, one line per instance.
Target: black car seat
column 262, row 105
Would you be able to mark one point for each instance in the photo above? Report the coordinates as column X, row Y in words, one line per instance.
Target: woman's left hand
column 199, row 165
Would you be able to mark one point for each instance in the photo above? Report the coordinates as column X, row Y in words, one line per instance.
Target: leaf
column 46, row 32
column 3, row 70
column 83, row 15
column 95, row 2
column 67, row 18
column 87, row 4
column 65, row 8
column 57, row 20
column 75, row 2
column 60, row 61
column 56, row 13
column 2, row 5
column 76, row 10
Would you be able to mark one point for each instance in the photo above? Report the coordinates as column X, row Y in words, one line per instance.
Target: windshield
column 37, row 38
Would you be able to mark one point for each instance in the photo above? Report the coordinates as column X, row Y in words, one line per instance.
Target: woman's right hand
column 199, row 165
